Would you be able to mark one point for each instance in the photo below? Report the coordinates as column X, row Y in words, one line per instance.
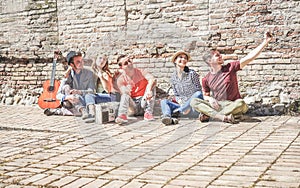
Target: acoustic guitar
column 50, row 87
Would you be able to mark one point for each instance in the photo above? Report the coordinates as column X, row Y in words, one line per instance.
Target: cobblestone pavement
column 56, row 151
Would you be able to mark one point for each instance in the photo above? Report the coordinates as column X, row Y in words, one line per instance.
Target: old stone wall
column 151, row 30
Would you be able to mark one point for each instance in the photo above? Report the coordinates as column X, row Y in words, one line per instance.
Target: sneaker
column 90, row 119
column 85, row 114
column 49, row 112
column 203, row 118
column 229, row 119
column 121, row 119
column 148, row 116
column 175, row 121
column 166, row 120
column 176, row 114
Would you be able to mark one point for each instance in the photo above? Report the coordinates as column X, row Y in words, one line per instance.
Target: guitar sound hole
column 51, row 88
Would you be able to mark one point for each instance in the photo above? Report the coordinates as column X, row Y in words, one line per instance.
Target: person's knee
column 240, row 103
column 194, row 102
column 89, row 98
column 66, row 89
column 89, row 95
column 199, row 94
column 125, row 95
column 163, row 102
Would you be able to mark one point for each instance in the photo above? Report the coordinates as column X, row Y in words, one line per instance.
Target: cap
column 71, row 55
column 179, row 53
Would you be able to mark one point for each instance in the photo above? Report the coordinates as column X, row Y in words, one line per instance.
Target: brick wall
column 152, row 30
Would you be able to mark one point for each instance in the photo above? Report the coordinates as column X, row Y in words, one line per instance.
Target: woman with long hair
column 106, row 78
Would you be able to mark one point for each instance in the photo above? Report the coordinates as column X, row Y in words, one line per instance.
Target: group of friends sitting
column 217, row 96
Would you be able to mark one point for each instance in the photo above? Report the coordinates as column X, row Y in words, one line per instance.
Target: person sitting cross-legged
column 220, row 86
column 78, row 89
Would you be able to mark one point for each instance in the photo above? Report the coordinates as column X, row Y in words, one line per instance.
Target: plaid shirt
column 185, row 87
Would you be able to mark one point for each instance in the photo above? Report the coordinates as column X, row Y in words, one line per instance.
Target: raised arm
column 254, row 53
column 106, row 81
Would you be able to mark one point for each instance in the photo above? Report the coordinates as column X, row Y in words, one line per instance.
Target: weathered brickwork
column 152, row 30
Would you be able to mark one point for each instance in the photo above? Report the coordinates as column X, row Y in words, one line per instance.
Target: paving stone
column 203, row 179
column 115, row 183
column 173, row 186
column 246, row 154
column 281, row 178
column 13, row 186
column 63, row 181
column 232, row 183
column 271, row 183
column 32, row 170
column 134, row 184
column 56, row 172
column 96, row 183
column 152, row 186
column 47, row 180
column 32, row 179
column 187, row 183
column 14, row 179
column 88, row 173
column 78, row 164
column 79, row 182
column 66, row 168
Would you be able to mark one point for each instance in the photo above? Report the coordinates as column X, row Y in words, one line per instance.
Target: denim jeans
column 99, row 98
column 89, row 99
column 167, row 106
column 102, row 98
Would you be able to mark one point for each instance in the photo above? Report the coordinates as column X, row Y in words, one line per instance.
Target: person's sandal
column 229, row 119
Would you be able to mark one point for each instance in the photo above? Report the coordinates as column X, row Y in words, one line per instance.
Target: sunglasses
column 126, row 62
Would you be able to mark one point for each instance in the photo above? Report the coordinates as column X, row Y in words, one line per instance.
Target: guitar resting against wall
column 48, row 98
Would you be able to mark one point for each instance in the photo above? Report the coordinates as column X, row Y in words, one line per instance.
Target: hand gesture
column 99, row 74
column 72, row 99
column 214, row 103
column 148, row 95
column 268, row 36
column 68, row 72
column 75, row 91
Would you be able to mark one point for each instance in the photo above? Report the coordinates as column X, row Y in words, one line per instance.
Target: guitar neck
column 53, row 73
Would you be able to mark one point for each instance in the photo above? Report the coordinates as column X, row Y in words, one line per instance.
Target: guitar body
column 48, row 98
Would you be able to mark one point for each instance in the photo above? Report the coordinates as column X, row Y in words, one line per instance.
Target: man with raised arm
column 222, row 99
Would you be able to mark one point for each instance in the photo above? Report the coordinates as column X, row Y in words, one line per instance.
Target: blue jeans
column 167, row 106
column 97, row 98
column 101, row 98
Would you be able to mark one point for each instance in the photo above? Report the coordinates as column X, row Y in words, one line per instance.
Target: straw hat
column 179, row 53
